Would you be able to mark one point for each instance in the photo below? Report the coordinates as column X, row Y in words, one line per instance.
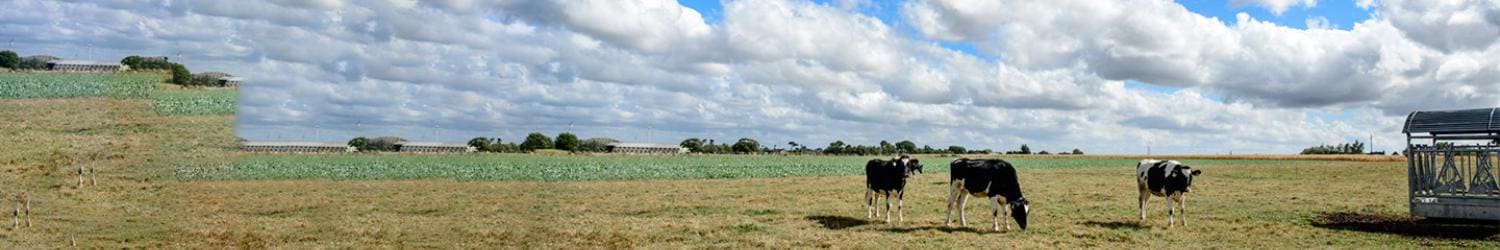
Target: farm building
column 645, row 148
column 84, row 66
column 301, row 147
column 216, row 79
column 434, row 147
column 1451, row 165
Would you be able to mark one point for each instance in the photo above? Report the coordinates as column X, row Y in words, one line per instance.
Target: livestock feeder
column 1451, row 163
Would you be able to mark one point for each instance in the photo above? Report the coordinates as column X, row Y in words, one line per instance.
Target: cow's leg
column 995, row 212
column 869, row 203
column 900, row 210
column 887, row 207
column 963, row 220
column 1182, row 202
column 952, row 192
column 1144, row 197
column 1170, row 211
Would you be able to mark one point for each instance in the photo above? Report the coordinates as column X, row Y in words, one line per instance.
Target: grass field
column 174, row 181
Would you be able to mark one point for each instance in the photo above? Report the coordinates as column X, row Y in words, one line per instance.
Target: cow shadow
column 837, row 222
column 945, row 229
column 1409, row 226
column 1131, row 225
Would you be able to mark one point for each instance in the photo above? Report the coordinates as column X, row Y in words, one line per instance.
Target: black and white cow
column 888, row 177
column 1170, row 179
column 993, row 179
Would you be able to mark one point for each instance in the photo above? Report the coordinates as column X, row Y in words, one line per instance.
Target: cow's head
column 911, row 165
column 1184, row 176
column 1018, row 210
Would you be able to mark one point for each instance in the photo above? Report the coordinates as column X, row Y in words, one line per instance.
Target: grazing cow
column 993, row 179
column 1170, row 179
column 888, row 177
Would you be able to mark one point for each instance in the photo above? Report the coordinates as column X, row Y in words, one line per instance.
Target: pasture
column 176, row 181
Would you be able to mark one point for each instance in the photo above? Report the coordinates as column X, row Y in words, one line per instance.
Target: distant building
column 297, row 147
column 216, row 79
column 230, row 81
column 645, row 148
column 84, row 66
column 434, row 147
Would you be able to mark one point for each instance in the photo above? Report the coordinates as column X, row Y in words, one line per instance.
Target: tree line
column 1345, row 148
column 571, row 143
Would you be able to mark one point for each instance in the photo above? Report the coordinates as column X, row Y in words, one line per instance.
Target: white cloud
column 791, row 70
column 1276, row 6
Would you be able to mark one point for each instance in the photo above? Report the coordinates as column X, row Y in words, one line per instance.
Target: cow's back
column 993, row 177
column 881, row 175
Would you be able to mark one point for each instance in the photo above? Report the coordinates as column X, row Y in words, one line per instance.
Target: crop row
column 29, row 86
column 195, row 102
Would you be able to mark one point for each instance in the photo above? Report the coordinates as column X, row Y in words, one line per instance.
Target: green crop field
column 574, row 168
column 195, row 102
column 61, row 85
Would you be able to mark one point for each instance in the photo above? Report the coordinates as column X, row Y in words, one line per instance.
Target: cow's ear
column 1197, row 172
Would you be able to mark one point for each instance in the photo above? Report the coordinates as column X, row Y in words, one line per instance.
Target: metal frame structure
column 1453, row 175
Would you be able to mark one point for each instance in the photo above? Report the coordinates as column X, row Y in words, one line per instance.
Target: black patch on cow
column 890, row 175
column 1156, row 177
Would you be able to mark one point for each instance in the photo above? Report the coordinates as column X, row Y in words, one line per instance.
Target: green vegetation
column 9, row 59
column 195, row 102
column 1341, row 149
column 33, row 86
column 574, row 168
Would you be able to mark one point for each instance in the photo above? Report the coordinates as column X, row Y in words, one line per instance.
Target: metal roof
column 432, row 144
column 643, row 145
column 82, row 62
column 1453, row 121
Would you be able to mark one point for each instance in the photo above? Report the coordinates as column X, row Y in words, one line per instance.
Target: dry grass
column 128, row 146
column 1234, row 206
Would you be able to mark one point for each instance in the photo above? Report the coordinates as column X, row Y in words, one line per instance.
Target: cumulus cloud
column 793, row 70
column 1277, row 6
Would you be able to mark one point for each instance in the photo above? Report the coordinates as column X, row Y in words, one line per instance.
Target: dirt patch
column 1411, row 226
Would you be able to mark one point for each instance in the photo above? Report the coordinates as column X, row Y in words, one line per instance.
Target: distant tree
column 694, row 145
column 746, row 145
column 181, row 75
column 1025, row 150
column 480, row 143
column 536, row 141
column 597, row 144
column 37, row 62
column 956, row 149
column 1044, row 152
column 927, row 149
column 1077, row 152
column 360, row 143
column 835, row 147
column 9, row 59
column 566, row 141
column 791, row 145
column 906, row 147
column 384, row 143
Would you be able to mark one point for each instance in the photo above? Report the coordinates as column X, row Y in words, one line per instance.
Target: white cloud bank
column 781, row 70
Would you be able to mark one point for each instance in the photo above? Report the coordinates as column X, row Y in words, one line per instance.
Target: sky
column 1180, row 77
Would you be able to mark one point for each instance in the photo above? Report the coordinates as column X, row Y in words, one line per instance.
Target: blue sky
column 1102, row 76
